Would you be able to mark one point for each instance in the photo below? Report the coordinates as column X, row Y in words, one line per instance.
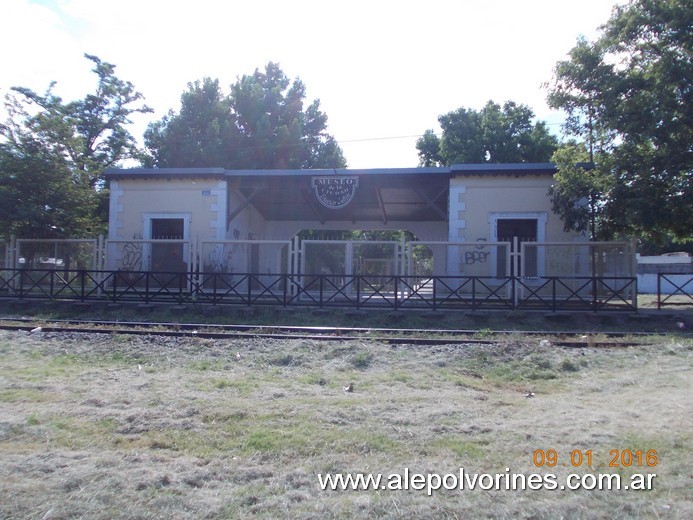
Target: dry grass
column 100, row 426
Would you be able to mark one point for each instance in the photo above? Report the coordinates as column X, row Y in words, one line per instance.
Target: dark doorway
column 168, row 257
column 525, row 230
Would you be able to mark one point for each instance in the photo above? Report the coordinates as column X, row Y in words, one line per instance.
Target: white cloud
column 380, row 68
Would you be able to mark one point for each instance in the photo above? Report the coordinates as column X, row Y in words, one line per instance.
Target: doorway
column 169, row 255
column 524, row 230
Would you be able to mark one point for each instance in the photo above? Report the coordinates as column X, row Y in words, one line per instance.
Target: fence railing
column 320, row 290
column 674, row 289
column 577, row 293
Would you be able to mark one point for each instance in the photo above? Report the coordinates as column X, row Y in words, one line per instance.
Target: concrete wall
column 201, row 202
column 249, row 224
column 477, row 202
column 649, row 266
column 675, row 263
column 647, row 283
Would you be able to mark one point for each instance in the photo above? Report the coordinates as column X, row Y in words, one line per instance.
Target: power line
column 361, row 140
column 382, row 138
column 437, row 134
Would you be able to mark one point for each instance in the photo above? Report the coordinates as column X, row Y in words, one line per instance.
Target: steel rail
column 241, row 335
column 327, row 329
column 392, row 336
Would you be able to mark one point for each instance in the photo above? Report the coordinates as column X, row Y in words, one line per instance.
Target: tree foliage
column 576, row 192
column 628, row 97
column 493, row 134
column 53, row 155
column 261, row 123
column 38, row 197
column 202, row 134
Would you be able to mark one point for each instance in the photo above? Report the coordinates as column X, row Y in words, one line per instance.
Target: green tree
column 428, row 146
column 628, row 97
column 90, row 133
column 38, row 197
column 203, row 134
column 76, row 141
column 578, row 190
column 493, row 134
column 262, row 123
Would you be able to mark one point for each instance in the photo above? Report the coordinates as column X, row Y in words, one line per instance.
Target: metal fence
column 611, row 259
column 322, row 290
column 345, row 268
column 4, row 254
column 472, row 259
column 674, row 289
column 358, row 274
column 67, row 255
column 223, row 259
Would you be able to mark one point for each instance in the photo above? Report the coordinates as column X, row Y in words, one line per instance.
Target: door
column 525, row 230
column 168, row 257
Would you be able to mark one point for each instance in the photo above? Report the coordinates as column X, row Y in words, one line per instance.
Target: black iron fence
column 674, row 289
column 319, row 290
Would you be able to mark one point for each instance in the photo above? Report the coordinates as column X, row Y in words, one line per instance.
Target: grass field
column 107, row 426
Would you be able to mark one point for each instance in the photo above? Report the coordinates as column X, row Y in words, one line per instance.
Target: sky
column 383, row 70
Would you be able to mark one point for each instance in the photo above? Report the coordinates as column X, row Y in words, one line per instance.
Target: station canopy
column 348, row 195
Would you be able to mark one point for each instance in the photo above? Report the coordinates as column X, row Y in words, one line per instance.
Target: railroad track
column 392, row 336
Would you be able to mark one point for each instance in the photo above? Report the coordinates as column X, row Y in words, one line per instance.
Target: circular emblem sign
column 335, row 192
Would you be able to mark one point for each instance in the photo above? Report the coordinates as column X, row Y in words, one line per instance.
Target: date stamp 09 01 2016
column 578, row 458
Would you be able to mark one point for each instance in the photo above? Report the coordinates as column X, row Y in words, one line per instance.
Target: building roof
column 514, row 169
column 163, row 173
column 383, row 194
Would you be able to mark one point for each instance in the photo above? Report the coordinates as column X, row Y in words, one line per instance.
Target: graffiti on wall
column 132, row 257
column 219, row 259
column 479, row 256
column 476, row 257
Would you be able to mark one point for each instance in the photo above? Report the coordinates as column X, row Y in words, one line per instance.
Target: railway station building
column 470, row 236
column 467, row 220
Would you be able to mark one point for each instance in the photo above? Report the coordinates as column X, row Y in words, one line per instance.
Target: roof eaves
column 516, row 169
column 337, row 172
column 145, row 173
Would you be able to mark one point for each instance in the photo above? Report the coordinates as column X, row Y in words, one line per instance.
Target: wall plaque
column 335, row 192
